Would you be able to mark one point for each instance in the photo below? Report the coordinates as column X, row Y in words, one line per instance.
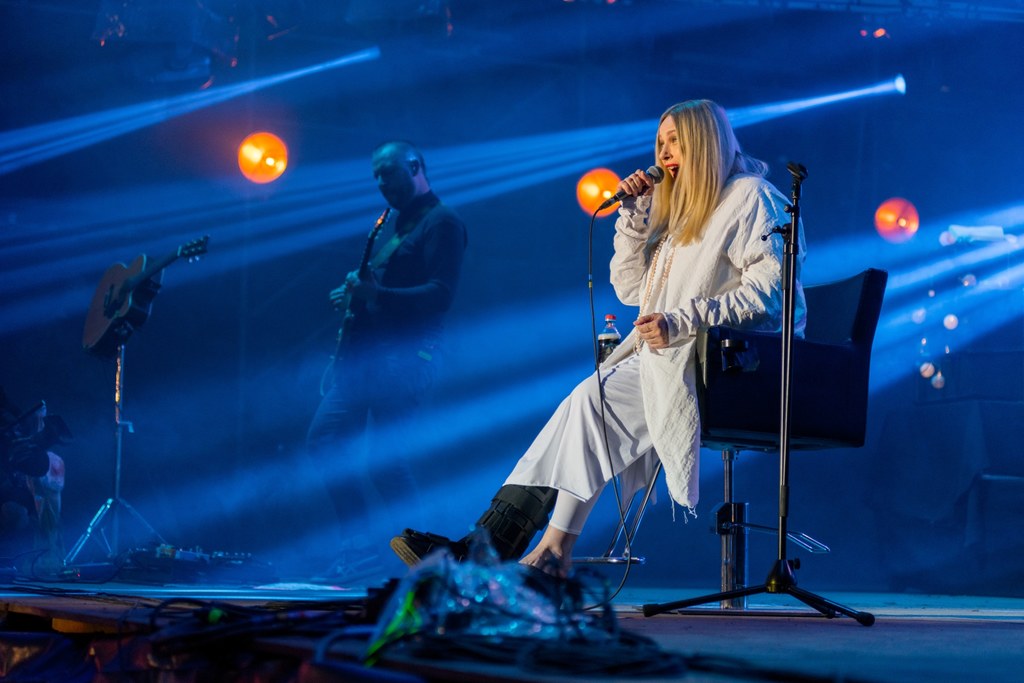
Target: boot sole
column 404, row 551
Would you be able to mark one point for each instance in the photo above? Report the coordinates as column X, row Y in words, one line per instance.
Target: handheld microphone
column 655, row 173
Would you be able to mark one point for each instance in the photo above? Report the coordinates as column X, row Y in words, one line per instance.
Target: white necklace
column 638, row 343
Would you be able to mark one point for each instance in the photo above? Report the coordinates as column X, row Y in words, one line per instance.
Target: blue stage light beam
column 765, row 112
column 27, row 146
column 471, row 416
column 303, row 213
column 920, row 265
column 492, row 168
column 918, row 304
column 912, row 264
column 474, row 172
column 531, row 398
column 524, row 391
column 981, row 310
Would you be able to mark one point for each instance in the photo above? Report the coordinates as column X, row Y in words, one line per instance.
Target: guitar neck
column 151, row 270
column 364, row 264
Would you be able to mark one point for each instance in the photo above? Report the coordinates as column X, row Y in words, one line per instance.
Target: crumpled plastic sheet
column 484, row 596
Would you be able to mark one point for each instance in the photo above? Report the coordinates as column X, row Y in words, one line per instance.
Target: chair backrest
column 846, row 311
column 739, row 373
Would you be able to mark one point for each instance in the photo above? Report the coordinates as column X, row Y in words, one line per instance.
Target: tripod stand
column 122, row 302
column 781, row 578
column 116, row 503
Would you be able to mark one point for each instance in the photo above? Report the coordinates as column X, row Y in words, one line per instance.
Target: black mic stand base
column 780, row 580
column 96, row 530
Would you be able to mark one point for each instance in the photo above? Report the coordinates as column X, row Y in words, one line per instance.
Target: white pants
column 569, row 453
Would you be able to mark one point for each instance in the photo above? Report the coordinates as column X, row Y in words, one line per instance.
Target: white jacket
column 729, row 277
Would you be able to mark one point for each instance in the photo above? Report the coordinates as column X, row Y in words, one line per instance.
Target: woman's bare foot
column 553, row 554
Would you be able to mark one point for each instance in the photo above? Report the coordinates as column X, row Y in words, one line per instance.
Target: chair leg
column 730, row 524
column 627, row 556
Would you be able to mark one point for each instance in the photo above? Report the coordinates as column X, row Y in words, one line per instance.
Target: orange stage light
column 896, row 220
column 262, row 157
column 594, row 187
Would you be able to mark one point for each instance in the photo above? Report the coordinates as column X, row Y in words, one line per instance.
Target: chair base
column 614, row 559
column 610, row 556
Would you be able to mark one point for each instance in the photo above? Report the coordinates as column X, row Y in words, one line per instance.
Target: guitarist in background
column 389, row 351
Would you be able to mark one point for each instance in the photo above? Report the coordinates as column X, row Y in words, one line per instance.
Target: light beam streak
column 28, row 146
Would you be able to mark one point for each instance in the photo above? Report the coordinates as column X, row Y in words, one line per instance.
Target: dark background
column 222, row 380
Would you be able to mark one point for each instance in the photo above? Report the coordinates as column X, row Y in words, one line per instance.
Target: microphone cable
column 627, row 546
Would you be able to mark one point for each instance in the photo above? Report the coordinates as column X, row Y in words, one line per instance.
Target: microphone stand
column 115, row 503
column 781, row 578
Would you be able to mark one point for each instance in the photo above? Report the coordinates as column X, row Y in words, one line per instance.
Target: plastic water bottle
column 608, row 338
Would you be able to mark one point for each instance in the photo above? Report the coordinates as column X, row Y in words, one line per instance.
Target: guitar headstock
column 381, row 220
column 194, row 249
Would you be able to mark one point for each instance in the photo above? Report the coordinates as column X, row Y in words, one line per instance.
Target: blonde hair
column 710, row 156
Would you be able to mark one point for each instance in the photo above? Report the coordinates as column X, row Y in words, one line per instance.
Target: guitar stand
column 781, row 578
column 110, row 509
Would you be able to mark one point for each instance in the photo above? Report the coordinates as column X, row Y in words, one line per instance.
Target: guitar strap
column 382, row 256
column 388, row 249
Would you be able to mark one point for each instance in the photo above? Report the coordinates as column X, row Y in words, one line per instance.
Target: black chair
column 738, row 381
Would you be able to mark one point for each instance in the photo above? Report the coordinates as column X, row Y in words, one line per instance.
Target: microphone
column 654, row 173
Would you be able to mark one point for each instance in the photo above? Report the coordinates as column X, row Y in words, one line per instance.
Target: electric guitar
column 345, row 303
column 124, row 298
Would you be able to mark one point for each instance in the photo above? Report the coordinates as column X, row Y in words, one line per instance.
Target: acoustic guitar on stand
column 345, row 303
column 124, row 298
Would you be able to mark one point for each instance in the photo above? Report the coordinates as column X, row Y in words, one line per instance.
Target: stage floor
column 308, row 632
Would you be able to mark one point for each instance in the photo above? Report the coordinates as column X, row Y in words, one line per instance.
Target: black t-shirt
column 419, row 280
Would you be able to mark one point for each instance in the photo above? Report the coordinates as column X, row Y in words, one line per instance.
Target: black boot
column 516, row 514
column 412, row 546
